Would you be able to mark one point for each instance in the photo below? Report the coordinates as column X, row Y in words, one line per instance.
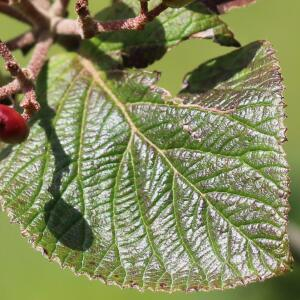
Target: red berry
column 13, row 128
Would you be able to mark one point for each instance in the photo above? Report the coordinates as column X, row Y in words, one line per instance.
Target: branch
column 86, row 22
column 23, row 78
column 49, row 25
column 87, row 27
column 136, row 23
column 144, row 7
column 13, row 13
column 11, row 65
column 36, row 15
column 22, row 41
column 44, row 4
column 10, row 89
column 40, row 55
column 59, row 7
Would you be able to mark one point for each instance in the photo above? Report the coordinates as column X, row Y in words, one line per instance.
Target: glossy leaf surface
column 123, row 182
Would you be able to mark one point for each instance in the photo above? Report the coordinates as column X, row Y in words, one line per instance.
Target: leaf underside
column 122, row 182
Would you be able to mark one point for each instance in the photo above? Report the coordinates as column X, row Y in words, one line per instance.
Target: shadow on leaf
column 64, row 221
column 217, row 71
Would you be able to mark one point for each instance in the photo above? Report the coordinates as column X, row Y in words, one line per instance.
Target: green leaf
column 139, row 49
column 124, row 183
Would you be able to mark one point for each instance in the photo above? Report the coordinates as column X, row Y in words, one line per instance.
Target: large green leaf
column 142, row 48
column 122, row 182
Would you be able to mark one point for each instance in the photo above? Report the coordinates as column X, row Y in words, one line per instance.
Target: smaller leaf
column 140, row 49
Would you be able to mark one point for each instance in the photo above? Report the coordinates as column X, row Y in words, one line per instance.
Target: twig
column 144, row 6
column 40, row 54
column 36, row 15
column 86, row 22
column 13, row 13
column 38, row 59
column 59, row 7
column 11, row 64
column 22, row 41
column 87, row 27
column 24, row 80
column 44, row 4
column 10, row 89
column 136, row 23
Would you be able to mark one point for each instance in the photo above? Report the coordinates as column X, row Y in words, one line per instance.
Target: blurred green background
column 26, row 275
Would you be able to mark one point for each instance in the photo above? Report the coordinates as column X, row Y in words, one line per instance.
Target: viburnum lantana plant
column 112, row 176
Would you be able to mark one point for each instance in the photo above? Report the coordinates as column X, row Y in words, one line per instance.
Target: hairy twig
column 10, row 89
column 40, row 54
column 39, row 57
column 136, row 23
column 44, row 4
column 59, row 7
column 144, row 7
column 35, row 14
column 25, row 77
column 12, row 12
column 22, row 41
column 87, row 27
column 86, row 22
column 11, row 64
